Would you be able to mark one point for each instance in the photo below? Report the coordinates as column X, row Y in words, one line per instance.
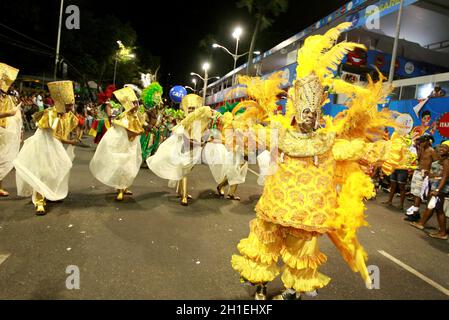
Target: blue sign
column 177, row 93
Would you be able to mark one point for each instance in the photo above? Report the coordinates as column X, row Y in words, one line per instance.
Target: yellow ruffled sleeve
column 345, row 150
column 387, row 153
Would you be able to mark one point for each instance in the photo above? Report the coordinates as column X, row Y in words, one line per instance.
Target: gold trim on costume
column 60, row 124
column 7, row 104
column 299, row 145
column 131, row 121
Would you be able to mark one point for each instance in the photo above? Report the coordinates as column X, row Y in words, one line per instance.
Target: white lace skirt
column 225, row 164
column 43, row 165
column 117, row 160
column 172, row 161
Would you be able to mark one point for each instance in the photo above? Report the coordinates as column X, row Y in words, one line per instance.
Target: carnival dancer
column 226, row 157
column 151, row 138
column 104, row 114
column 318, row 186
column 118, row 157
column 10, row 124
column 177, row 156
column 43, row 165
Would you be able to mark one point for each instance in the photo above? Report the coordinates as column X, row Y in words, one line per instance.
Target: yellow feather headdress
column 318, row 60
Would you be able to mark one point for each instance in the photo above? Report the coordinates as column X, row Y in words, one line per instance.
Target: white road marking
column 3, row 257
column 416, row 273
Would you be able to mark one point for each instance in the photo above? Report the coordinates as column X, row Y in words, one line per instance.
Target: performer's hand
column 363, row 162
column 70, row 142
column 12, row 113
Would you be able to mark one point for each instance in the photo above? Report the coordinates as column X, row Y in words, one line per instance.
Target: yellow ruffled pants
column 299, row 250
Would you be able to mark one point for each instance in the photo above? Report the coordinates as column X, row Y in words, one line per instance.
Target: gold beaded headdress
column 8, row 75
column 191, row 100
column 126, row 97
column 62, row 93
column 318, row 59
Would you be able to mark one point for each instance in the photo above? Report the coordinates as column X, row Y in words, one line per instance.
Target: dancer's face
column 309, row 121
column 69, row 107
column 191, row 109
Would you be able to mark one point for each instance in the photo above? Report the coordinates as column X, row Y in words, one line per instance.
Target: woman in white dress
column 10, row 124
column 225, row 155
column 43, row 165
column 118, row 157
column 177, row 156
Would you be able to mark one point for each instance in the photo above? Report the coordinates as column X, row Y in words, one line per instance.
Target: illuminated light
column 237, row 33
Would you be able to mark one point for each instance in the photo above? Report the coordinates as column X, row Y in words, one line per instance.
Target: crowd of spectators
column 427, row 187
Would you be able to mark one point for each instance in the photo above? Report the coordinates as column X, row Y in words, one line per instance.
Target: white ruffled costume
column 225, row 164
column 173, row 161
column 43, row 166
column 117, row 160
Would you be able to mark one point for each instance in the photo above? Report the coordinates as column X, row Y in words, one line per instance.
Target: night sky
column 172, row 30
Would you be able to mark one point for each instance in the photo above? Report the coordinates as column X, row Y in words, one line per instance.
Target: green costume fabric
column 145, row 139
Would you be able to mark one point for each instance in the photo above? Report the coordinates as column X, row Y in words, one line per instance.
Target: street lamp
column 194, row 81
column 190, row 88
column 202, row 78
column 206, row 67
column 124, row 55
column 236, row 35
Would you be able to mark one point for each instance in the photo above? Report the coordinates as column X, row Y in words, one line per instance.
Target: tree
column 264, row 11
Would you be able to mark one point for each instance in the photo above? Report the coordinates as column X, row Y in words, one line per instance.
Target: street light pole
column 206, row 67
column 115, row 67
column 120, row 54
column 237, row 33
column 396, row 43
column 236, row 53
column 58, row 44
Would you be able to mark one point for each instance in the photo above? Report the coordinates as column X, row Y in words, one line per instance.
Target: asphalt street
column 150, row 247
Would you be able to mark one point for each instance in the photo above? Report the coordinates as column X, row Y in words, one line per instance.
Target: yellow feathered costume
column 320, row 184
